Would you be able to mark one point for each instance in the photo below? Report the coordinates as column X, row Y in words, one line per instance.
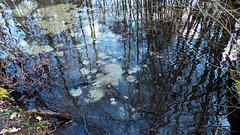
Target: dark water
column 122, row 66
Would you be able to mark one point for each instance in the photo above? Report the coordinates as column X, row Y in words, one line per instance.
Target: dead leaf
column 39, row 118
column 3, row 131
column 13, row 115
column 3, row 93
column 13, row 130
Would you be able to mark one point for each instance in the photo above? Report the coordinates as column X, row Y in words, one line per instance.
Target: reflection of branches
column 221, row 14
column 25, row 72
column 216, row 132
column 15, row 73
column 6, row 78
column 209, row 62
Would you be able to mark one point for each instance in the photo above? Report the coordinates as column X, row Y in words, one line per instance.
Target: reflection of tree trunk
column 234, row 117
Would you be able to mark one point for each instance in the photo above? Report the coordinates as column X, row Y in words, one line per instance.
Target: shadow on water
column 122, row 66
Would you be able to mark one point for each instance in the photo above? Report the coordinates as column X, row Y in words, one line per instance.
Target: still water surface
column 123, row 66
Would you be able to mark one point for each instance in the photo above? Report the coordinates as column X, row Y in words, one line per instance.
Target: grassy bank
column 16, row 121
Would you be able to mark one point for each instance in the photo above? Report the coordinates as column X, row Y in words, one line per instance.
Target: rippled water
column 123, row 67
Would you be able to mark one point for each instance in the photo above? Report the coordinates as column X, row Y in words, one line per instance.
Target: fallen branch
column 59, row 116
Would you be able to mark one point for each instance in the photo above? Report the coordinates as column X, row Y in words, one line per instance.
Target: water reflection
column 124, row 67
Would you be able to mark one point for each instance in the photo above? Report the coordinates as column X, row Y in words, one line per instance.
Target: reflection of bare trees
column 186, row 79
column 179, row 86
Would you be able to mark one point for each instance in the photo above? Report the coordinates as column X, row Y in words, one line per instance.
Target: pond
column 121, row 66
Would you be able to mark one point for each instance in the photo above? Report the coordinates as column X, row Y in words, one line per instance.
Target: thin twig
column 216, row 132
column 227, row 106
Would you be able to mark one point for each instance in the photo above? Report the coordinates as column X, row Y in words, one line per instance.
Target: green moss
column 3, row 93
column 238, row 85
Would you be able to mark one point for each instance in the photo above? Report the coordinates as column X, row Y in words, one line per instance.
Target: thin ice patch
column 105, row 57
column 113, row 74
column 80, row 46
column 98, row 61
column 24, row 8
column 113, row 60
column 101, row 54
column 36, row 49
column 94, row 71
column 76, row 92
column 52, row 18
column 95, row 95
column 134, row 70
column 60, row 53
column 84, row 71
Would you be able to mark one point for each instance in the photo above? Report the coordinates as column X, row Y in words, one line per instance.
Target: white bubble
column 159, row 56
column 131, row 78
column 94, row 71
column 112, row 99
column 120, row 57
column 86, row 62
column 113, row 102
column 104, row 63
column 105, row 57
column 113, row 60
